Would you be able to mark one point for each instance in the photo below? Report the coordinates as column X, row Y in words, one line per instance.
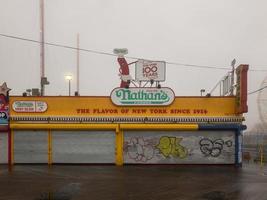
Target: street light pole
column 69, row 78
column 69, row 86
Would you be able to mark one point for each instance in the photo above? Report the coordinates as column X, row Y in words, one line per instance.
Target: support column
column 10, row 147
column 49, row 152
column 238, row 154
column 119, row 146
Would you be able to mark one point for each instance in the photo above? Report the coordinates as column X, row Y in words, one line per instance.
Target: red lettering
column 149, row 69
column 180, row 111
column 139, row 111
column 200, row 111
column 105, row 111
column 82, row 110
column 158, row 111
column 124, row 110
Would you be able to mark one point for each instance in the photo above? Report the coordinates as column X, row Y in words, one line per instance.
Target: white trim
column 129, row 119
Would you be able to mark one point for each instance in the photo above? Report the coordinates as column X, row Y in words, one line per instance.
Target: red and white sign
column 29, row 106
column 150, row 70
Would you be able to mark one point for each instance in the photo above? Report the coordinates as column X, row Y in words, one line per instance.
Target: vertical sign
column 4, row 105
column 241, row 89
column 3, row 110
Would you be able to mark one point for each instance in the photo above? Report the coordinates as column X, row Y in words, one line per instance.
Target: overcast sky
column 201, row 32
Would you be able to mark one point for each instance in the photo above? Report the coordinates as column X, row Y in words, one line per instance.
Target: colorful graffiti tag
column 179, row 147
column 170, row 146
column 143, row 150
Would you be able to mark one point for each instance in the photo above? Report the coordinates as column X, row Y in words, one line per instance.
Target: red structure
column 124, row 71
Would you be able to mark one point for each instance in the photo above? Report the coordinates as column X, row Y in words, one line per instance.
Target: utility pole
column 42, row 60
column 78, row 65
column 43, row 79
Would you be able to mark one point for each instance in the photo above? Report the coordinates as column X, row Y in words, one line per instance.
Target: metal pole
column 69, row 87
column 232, row 81
column 220, row 88
column 78, row 64
column 42, row 50
column 233, row 77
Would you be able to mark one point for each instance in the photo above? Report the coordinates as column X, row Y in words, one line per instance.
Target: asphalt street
column 137, row 182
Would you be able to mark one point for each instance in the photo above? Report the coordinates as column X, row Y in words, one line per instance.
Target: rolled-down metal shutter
column 30, row 146
column 83, row 146
column 179, row 147
column 3, row 148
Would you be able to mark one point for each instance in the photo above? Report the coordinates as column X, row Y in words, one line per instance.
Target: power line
column 257, row 90
column 57, row 45
column 111, row 54
column 197, row 66
column 258, row 70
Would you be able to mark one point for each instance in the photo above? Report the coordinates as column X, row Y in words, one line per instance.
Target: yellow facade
column 102, row 106
column 69, row 107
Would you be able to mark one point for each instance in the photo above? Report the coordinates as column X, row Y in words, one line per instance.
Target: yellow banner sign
column 102, row 106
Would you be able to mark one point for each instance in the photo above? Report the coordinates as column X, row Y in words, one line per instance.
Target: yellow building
column 131, row 126
column 192, row 130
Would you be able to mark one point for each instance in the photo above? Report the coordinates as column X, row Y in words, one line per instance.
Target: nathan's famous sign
column 142, row 96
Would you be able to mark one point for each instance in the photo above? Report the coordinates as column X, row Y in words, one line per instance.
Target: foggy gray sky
column 205, row 32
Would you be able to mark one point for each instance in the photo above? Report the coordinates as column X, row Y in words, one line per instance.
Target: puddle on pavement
column 215, row 195
column 65, row 193
column 220, row 195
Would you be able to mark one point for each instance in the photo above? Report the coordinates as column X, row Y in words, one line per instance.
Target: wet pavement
column 137, row 182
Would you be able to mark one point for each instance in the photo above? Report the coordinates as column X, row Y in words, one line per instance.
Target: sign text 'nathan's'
column 142, row 96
